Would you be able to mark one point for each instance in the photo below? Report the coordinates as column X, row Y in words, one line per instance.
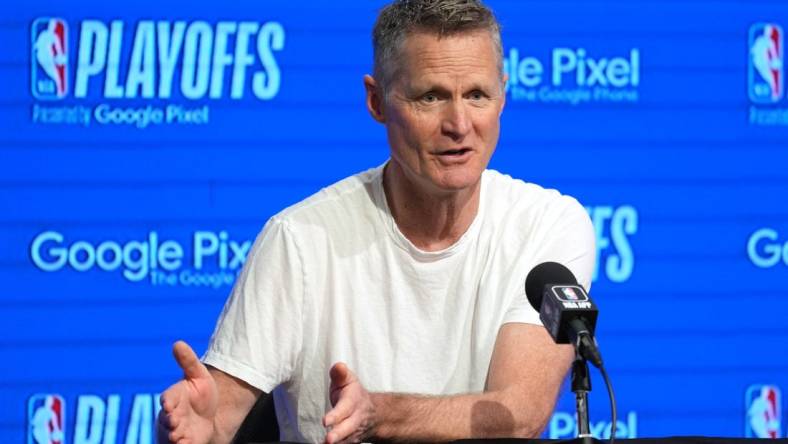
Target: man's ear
column 503, row 85
column 374, row 98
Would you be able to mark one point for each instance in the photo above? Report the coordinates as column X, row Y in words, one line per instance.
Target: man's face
column 443, row 109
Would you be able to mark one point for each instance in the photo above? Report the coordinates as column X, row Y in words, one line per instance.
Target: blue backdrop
column 143, row 145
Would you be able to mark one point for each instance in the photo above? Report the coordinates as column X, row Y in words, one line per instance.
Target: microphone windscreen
column 543, row 274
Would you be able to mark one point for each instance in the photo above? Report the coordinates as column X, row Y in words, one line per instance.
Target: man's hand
column 353, row 416
column 189, row 406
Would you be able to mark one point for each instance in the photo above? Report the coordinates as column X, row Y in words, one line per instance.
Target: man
column 391, row 305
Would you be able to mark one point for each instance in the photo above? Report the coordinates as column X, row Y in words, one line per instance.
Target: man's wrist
column 213, row 437
column 381, row 404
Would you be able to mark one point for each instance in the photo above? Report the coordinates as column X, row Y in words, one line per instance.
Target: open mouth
column 457, row 152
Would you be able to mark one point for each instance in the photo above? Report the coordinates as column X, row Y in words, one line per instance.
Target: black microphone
column 564, row 308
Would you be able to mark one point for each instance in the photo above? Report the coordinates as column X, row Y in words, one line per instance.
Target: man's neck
column 432, row 221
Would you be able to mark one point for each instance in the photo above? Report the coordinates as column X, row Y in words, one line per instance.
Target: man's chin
column 456, row 181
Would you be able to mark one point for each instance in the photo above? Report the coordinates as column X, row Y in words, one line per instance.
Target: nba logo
column 765, row 71
column 569, row 293
column 763, row 412
column 45, row 416
column 49, row 58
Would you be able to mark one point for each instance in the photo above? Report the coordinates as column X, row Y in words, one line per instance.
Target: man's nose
column 456, row 121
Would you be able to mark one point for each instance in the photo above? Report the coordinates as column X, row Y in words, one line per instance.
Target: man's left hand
column 352, row 417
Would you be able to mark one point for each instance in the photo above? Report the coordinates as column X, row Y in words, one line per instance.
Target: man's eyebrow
column 481, row 86
column 423, row 87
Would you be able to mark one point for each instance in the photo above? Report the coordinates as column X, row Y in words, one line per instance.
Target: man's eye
column 477, row 95
column 429, row 98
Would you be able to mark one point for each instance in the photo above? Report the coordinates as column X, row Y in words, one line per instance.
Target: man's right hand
column 189, row 406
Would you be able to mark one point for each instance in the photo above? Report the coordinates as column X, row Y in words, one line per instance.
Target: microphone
column 564, row 307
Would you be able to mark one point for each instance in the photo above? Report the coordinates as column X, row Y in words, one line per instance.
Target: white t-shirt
column 333, row 279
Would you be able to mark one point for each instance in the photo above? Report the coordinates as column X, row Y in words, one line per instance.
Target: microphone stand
column 581, row 385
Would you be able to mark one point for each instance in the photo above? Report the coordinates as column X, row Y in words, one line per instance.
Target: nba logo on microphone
column 46, row 418
column 49, row 70
column 569, row 293
column 764, row 412
column 765, row 68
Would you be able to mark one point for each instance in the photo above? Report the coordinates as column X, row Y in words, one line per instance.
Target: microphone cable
column 613, row 412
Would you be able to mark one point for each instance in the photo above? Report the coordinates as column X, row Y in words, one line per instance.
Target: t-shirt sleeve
column 259, row 332
column 565, row 235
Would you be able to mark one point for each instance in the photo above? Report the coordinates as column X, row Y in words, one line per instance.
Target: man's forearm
column 403, row 417
column 525, row 374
